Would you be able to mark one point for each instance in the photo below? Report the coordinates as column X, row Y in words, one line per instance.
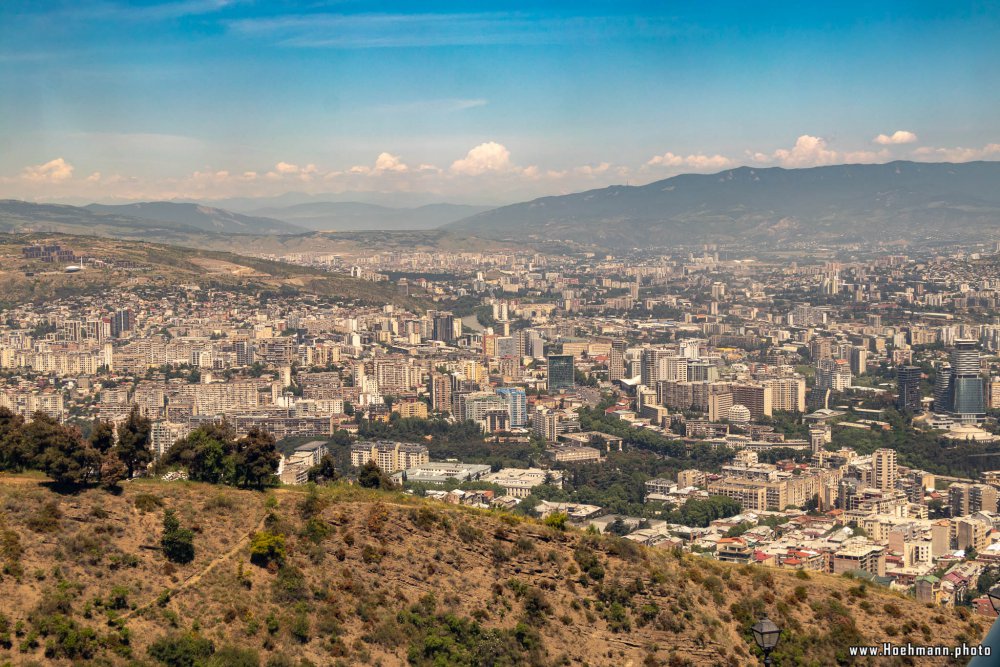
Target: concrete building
column 788, row 394
column 572, row 454
column 867, row 557
column 389, row 456
column 314, row 451
column 439, row 473
column 884, row 468
column 965, row 499
column 441, row 386
column 756, row 397
column 519, row 482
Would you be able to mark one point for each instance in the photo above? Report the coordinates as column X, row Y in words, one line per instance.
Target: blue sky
column 481, row 101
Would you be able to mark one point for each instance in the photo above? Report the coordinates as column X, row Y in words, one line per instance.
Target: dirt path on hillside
column 198, row 576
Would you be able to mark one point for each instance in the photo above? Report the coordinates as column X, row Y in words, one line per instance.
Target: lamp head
column 766, row 633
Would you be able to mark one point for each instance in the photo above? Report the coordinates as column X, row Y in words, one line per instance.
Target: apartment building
column 389, row 456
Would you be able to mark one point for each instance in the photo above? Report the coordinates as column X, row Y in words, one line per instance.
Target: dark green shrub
column 183, row 649
column 300, row 627
column 177, row 543
column 290, row 585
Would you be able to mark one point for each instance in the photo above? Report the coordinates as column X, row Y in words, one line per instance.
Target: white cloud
column 288, row 170
column 897, row 137
column 697, row 161
column 486, row 157
column 499, row 178
column 53, row 171
column 389, row 162
column 956, row 154
column 809, row 151
column 384, row 163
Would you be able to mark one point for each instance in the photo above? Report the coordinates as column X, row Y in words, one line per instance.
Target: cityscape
column 694, row 409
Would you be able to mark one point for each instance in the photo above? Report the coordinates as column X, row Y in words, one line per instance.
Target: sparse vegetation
column 105, row 599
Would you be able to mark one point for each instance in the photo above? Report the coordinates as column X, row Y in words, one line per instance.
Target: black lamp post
column 766, row 634
column 992, row 639
column 994, row 595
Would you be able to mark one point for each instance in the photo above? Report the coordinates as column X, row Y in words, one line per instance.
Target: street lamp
column 766, row 634
column 994, row 595
column 992, row 639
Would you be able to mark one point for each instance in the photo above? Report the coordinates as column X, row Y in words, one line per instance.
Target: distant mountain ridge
column 165, row 220
column 204, row 218
column 357, row 216
column 847, row 202
column 898, row 201
column 18, row 216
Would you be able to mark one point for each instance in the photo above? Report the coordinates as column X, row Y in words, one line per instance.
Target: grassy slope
column 170, row 265
column 384, row 553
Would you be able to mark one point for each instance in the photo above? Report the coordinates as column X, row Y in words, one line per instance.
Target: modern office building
column 942, row 389
column 517, row 405
column 959, row 388
column 560, row 369
column 908, row 386
column 444, row 328
column 650, row 365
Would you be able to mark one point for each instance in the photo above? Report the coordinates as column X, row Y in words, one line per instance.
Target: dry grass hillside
column 370, row 578
column 168, row 266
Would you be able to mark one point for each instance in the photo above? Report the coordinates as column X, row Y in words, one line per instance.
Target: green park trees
column 133, row 442
column 61, row 452
column 213, row 453
column 372, row 477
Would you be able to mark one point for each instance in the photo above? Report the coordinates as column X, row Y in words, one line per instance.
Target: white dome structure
column 739, row 414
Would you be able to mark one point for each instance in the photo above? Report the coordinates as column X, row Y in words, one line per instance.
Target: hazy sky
column 477, row 101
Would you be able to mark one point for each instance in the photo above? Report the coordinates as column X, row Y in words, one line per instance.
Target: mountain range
column 356, row 216
column 204, row 218
column 27, row 217
column 174, row 221
column 898, row 200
